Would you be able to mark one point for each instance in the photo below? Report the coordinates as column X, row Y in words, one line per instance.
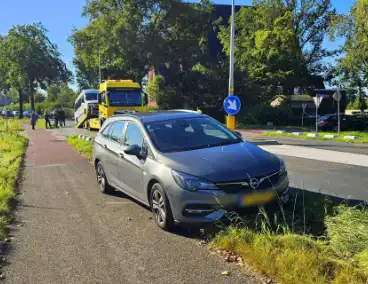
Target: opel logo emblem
column 254, row 183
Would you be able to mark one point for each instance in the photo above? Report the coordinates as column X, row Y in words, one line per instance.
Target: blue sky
column 60, row 17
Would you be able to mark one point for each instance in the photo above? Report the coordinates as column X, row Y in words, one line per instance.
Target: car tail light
column 323, row 122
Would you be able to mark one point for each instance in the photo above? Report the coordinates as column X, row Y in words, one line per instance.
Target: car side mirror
column 237, row 133
column 134, row 150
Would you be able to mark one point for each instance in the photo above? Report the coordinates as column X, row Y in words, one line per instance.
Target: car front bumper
column 209, row 206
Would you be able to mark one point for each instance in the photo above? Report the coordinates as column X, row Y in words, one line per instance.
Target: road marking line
column 318, row 154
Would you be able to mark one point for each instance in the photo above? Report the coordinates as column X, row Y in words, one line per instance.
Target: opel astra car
column 187, row 167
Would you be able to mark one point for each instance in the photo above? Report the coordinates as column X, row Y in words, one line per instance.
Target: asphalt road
column 71, row 233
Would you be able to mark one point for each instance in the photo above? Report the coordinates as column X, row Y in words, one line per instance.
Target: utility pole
column 99, row 66
column 230, row 119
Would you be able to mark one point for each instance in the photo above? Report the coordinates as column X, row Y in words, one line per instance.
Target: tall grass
column 12, row 149
column 82, row 146
column 314, row 240
column 13, row 125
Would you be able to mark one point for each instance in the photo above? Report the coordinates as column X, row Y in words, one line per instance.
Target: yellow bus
column 116, row 96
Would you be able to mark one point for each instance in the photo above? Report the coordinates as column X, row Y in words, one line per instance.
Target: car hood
column 223, row 163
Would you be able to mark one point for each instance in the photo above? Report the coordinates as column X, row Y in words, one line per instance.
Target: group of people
column 58, row 115
column 59, row 118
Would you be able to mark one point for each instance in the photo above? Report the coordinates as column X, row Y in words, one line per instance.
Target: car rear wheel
column 101, row 179
column 161, row 209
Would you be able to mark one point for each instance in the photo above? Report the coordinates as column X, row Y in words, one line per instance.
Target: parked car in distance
column 27, row 113
column 311, row 115
column 185, row 166
column 16, row 113
column 329, row 122
column 7, row 113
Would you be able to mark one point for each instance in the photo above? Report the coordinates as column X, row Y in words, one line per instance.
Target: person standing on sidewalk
column 62, row 117
column 33, row 119
column 47, row 120
column 56, row 118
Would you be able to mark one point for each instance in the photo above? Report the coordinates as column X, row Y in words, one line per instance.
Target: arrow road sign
column 232, row 105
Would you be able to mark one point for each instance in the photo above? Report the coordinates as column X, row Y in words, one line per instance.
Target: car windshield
column 185, row 134
column 122, row 97
column 91, row 96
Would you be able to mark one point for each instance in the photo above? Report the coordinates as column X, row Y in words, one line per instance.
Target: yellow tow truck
column 117, row 96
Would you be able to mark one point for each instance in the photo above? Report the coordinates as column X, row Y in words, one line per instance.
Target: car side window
column 117, row 131
column 106, row 131
column 133, row 135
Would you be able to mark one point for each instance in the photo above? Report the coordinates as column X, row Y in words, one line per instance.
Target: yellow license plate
column 258, row 198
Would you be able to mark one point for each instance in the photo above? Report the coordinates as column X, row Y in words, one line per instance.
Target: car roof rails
column 184, row 110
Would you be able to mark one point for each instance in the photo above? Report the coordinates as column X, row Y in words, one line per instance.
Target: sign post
column 337, row 97
column 304, row 106
column 317, row 101
column 230, row 119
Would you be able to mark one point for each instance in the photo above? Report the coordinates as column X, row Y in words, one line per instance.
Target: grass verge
column 363, row 136
column 41, row 123
column 314, row 240
column 12, row 149
column 82, row 146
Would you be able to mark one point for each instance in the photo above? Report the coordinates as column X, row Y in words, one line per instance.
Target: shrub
column 263, row 113
column 12, row 148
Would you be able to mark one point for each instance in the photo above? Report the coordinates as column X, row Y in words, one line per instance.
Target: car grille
column 243, row 185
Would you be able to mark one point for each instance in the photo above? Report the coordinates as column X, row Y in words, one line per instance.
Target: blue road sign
column 232, row 105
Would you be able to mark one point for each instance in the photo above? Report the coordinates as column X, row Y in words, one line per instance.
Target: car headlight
column 191, row 183
column 282, row 167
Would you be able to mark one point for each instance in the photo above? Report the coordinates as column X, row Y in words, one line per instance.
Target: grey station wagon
column 187, row 167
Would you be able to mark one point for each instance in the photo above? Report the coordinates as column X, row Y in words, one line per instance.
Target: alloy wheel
column 158, row 207
column 101, row 178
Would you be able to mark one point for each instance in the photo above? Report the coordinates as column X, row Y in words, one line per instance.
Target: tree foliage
column 135, row 36
column 354, row 27
column 280, row 43
column 29, row 61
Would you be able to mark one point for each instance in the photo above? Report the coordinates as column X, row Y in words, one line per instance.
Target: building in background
column 5, row 100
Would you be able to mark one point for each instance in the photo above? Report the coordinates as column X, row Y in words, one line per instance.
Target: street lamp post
column 230, row 119
column 99, row 65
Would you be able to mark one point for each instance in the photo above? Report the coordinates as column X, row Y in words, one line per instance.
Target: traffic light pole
column 230, row 119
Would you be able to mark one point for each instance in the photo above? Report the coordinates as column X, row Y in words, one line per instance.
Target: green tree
column 136, row 36
column 266, row 48
column 354, row 27
column 30, row 61
column 61, row 95
column 280, row 43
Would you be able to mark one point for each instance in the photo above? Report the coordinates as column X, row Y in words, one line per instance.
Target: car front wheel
column 161, row 209
column 101, row 179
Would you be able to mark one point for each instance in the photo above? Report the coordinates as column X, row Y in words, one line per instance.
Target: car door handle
column 121, row 155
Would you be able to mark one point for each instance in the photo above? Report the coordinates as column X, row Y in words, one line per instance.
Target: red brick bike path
column 45, row 149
